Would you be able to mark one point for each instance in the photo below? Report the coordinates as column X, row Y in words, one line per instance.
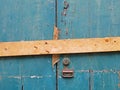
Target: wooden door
column 26, row 20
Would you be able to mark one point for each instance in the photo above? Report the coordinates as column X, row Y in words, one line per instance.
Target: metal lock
column 66, row 72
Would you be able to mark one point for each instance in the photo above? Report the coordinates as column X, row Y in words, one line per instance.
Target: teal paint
column 25, row 20
column 10, row 83
column 88, row 19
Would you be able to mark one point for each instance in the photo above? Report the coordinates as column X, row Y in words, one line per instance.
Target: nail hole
column 115, row 41
column 35, row 47
column 46, row 43
column 47, row 51
column 5, row 49
column 95, row 45
column 106, row 40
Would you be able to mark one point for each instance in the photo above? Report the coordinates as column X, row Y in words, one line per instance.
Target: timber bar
column 67, row 46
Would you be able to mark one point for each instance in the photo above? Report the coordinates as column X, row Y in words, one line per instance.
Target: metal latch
column 66, row 72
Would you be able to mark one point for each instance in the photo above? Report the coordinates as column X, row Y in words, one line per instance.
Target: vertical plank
column 74, row 23
column 106, row 80
column 10, row 83
column 105, row 62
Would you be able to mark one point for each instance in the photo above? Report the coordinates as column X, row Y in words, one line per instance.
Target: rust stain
column 119, row 85
column 55, row 59
column 56, row 33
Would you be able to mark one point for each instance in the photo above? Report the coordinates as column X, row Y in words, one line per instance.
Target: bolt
column 66, row 62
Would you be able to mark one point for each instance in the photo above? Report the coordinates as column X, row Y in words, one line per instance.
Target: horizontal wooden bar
column 68, row 46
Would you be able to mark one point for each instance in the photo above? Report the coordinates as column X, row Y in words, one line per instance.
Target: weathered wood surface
column 55, row 58
column 60, row 46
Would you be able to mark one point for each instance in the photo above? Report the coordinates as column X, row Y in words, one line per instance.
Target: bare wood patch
column 89, row 45
column 55, row 57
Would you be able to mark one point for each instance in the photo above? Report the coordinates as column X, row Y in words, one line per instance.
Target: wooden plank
column 55, row 58
column 60, row 46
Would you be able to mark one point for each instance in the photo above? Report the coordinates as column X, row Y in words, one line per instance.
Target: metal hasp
column 66, row 72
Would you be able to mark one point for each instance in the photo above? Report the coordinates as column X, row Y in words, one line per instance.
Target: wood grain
column 60, row 46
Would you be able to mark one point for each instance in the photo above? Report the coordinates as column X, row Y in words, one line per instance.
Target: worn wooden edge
column 55, row 57
column 44, row 47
